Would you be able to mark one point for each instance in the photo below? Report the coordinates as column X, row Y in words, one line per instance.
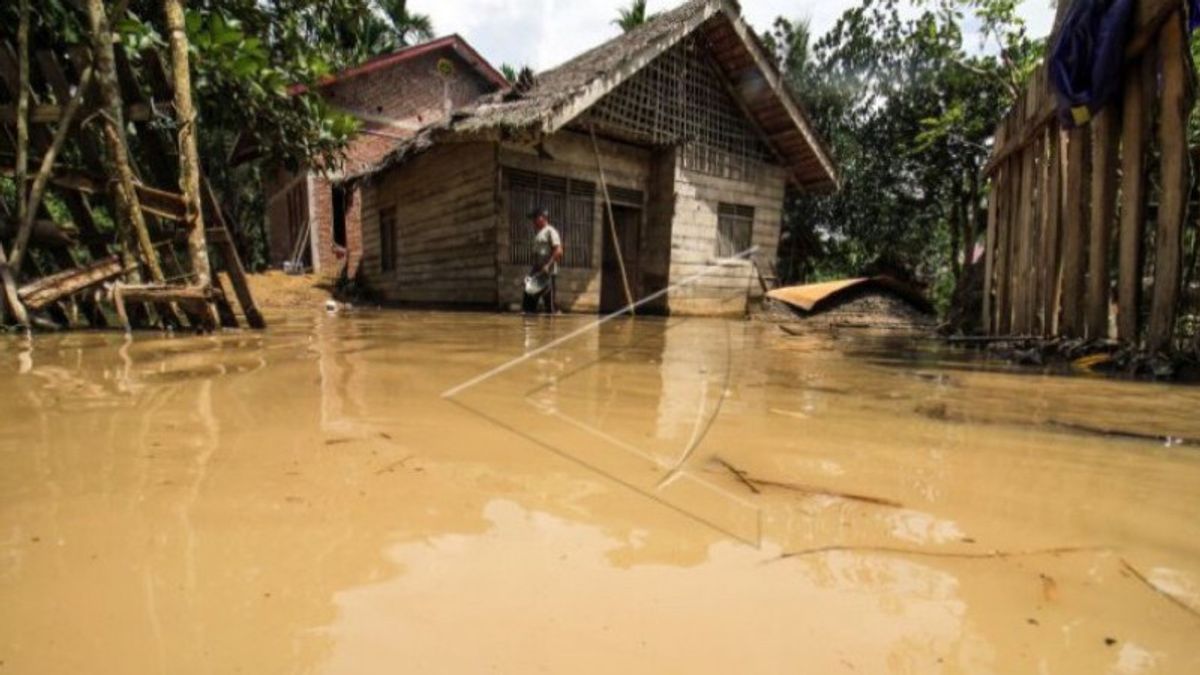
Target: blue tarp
column 1086, row 62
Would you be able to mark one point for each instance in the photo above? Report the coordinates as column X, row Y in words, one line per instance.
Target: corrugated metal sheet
column 815, row 297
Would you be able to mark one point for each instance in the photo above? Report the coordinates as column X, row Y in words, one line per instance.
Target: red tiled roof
column 453, row 41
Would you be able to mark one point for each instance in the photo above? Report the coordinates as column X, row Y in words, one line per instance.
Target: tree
column 909, row 111
column 632, row 16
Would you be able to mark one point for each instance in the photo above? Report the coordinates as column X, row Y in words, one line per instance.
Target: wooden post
column 612, row 224
column 1168, row 257
column 124, row 190
column 1135, row 137
column 1012, row 173
column 1074, row 235
column 1052, row 236
column 233, row 262
column 989, row 260
column 1104, row 129
column 1020, row 268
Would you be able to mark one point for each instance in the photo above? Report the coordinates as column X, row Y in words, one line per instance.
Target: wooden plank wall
column 1071, row 233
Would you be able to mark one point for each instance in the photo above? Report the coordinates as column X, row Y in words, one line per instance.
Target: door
column 629, row 235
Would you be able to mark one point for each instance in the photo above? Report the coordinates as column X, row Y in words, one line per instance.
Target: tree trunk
column 46, row 170
column 955, row 234
column 129, row 209
column 189, row 160
column 22, row 158
column 971, row 222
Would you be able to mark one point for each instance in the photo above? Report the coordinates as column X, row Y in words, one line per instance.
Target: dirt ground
column 276, row 290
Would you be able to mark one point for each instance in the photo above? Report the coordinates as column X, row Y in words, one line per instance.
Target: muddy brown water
column 658, row 496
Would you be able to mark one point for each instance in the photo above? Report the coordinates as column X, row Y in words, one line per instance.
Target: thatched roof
column 562, row 94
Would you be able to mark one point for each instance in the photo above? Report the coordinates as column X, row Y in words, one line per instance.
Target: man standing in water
column 547, row 252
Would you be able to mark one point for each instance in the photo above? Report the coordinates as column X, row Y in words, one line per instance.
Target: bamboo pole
column 1104, row 129
column 125, row 196
column 612, row 224
column 46, row 170
column 1168, row 257
column 1135, row 135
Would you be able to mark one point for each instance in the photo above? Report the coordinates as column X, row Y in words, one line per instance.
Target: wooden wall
column 570, row 155
column 694, row 239
column 446, row 215
column 1085, row 227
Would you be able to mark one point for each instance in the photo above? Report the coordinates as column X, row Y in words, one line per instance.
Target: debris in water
column 1150, row 584
column 1049, row 588
column 1110, row 641
column 789, row 413
column 756, row 483
column 739, row 474
column 990, row 555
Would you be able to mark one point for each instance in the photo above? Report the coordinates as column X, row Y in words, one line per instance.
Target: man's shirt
column 545, row 241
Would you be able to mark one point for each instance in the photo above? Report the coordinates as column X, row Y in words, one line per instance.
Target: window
column 735, row 226
column 387, row 239
column 572, row 206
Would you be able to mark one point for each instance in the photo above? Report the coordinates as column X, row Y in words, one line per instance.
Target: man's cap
column 539, row 211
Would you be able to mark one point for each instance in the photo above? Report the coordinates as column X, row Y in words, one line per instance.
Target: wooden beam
column 1168, row 257
column 1105, row 129
column 51, row 113
column 233, row 262
column 1074, row 234
column 50, row 289
column 1137, row 126
column 1052, row 236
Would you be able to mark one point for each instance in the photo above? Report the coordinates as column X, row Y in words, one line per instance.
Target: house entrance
column 628, row 222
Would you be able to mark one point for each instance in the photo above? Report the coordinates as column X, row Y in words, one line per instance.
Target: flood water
column 656, row 496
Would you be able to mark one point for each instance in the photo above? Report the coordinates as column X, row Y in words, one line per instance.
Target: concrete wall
column 446, row 212
column 694, row 239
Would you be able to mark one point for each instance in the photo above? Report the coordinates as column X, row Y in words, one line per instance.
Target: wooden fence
column 1086, row 227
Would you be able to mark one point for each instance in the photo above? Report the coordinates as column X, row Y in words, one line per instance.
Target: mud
column 305, row 500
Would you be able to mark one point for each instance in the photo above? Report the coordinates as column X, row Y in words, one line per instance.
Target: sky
column 544, row 33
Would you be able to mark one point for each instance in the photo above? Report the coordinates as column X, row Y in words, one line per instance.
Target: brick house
column 311, row 215
column 682, row 129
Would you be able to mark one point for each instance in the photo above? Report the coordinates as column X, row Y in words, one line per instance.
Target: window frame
column 572, row 206
column 731, row 217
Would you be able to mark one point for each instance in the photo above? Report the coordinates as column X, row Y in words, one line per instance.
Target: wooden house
column 685, row 120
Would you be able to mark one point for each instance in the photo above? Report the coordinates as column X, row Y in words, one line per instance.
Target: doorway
column 628, row 222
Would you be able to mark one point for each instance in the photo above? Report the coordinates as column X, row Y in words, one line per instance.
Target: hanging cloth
column 1087, row 59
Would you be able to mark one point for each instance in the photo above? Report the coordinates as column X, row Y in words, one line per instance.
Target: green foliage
column 632, row 16
column 908, row 109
